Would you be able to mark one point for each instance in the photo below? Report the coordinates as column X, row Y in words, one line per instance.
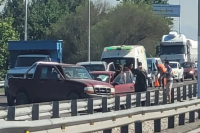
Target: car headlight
column 149, row 75
column 175, row 72
column 191, row 72
column 112, row 91
column 9, row 76
column 89, row 90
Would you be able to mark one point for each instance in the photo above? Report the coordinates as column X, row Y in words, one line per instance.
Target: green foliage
column 6, row 33
column 127, row 24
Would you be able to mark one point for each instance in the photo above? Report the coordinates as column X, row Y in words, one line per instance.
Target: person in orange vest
column 162, row 71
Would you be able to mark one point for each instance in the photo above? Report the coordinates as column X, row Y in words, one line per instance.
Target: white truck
column 177, row 70
column 176, row 47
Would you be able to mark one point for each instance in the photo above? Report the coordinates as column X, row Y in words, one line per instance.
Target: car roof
column 32, row 55
column 102, row 72
column 91, row 62
column 56, row 63
column 173, row 62
column 188, row 62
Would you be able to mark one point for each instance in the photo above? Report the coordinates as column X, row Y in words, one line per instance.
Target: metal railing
column 109, row 120
column 74, row 107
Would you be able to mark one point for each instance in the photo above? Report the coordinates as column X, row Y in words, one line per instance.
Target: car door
column 122, row 85
column 50, row 84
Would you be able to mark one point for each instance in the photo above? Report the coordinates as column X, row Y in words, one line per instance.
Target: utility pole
column 25, row 23
column 89, row 32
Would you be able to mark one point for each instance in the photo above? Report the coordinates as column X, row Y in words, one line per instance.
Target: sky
column 188, row 19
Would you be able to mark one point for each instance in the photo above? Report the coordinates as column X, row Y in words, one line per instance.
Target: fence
column 109, row 120
column 56, row 109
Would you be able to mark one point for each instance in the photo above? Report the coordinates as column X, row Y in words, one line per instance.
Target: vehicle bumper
column 188, row 75
column 95, row 96
column 175, row 76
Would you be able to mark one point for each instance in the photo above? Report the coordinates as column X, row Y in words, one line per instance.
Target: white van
column 125, row 55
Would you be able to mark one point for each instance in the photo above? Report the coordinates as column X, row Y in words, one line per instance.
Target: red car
column 190, row 70
column 122, row 82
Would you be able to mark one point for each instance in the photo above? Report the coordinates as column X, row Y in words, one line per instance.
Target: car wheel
column 21, row 99
column 182, row 79
column 73, row 95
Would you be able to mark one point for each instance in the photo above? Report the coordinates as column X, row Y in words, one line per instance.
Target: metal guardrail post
column 194, row 89
column 164, row 97
column 138, row 127
column 190, row 91
column 90, row 106
column 138, row 99
column 74, row 109
column 35, row 111
column 156, row 97
column 56, row 110
column 172, row 95
column 178, row 94
column 171, row 122
column 184, row 92
column 182, row 119
column 191, row 116
column 117, row 103
column 11, row 113
column 104, row 104
column 104, row 110
column 128, row 101
column 148, row 98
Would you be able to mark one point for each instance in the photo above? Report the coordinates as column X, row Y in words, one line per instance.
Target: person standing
column 161, row 70
column 169, row 78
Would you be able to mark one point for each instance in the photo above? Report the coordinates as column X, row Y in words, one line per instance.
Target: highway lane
column 3, row 101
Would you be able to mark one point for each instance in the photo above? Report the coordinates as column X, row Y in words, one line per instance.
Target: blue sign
column 167, row 10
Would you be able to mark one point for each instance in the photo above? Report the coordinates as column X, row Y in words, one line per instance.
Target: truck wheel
column 21, row 99
column 73, row 96
column 10, row 100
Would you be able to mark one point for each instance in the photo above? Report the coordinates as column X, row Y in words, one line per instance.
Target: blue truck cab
column 25, row 53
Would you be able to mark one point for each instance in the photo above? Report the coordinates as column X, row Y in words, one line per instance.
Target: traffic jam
column 37, row 73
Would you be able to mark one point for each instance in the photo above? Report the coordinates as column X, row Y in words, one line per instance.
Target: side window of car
column 120, row 79
column 49, row 72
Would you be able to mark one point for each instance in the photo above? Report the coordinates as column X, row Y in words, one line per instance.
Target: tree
column 42, row 15
column 7, row 33
column 16, row 10
column 127, row 24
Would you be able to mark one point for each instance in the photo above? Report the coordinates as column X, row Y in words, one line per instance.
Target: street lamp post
column 89, row 33
column 25, row 25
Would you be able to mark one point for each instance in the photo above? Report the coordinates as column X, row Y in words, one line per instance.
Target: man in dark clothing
column 118, row 71
column 140, row 84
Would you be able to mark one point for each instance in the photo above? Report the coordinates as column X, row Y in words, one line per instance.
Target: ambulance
column 125, row 55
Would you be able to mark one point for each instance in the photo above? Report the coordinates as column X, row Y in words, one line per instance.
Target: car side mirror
column 180, row 67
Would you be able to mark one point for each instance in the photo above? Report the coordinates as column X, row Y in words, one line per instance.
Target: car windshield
column 76, row 73
column 175, row 49
column 94, row 67
column 186, row 65
column 173, row 65
column 100, row 77
column 120, row 61
column 29, row 61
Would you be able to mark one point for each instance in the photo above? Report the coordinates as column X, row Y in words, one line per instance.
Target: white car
column 177, row 70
